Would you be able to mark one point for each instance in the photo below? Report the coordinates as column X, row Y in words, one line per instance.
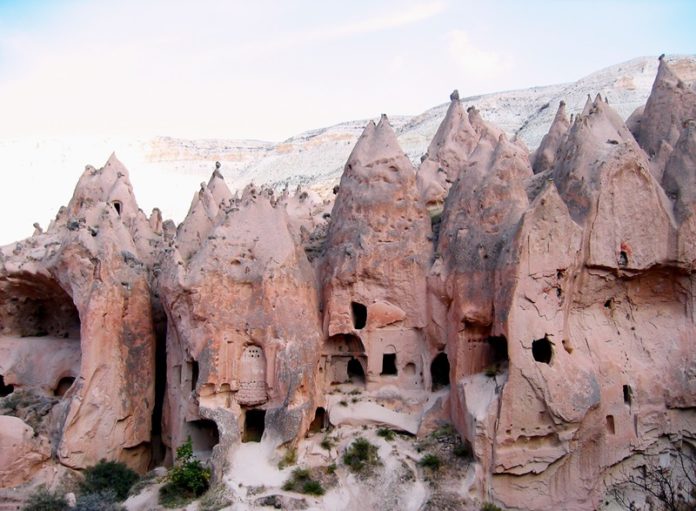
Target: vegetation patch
column 301, row 481
column 386, row 433
column 188, row 479
column 360, row 455
column 288, row 459
column 112, row 476
column 44, row 500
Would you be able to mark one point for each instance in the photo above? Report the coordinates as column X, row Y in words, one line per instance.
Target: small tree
column 188, row 478
column 109, row 476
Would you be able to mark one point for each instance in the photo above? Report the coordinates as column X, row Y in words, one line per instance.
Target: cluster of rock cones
column 554, row 293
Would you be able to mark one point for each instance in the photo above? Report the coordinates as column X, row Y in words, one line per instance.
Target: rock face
column 544, row 304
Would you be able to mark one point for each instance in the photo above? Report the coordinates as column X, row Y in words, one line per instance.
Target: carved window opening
column 542, row 350
column 440, row 371
column 389, row 364
column 252, row 377
column 117, row 206
column 410, row 369
column 359, row 315
column 627, row 394
column 195, row 372
column 254, row 425
column 63, row 386
column 623, row 259
column 610, row 425
column 5, row 390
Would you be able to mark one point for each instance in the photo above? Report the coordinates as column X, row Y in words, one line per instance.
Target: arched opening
column 254, row 425
column 38, row 316
column 319, row 420
column 623, row 259
column 117, row 206
column 347, row 359
column 63, row 386
column 440, row 371
column 359, row 315
column 356, row 373
column 252, row 377
column 5, row 390
column 195, row 373
column 627, row 394
column 204, row 435
column 542, row 350
column 410, row 369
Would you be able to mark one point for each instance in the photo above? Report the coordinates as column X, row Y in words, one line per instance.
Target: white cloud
column 472, row 61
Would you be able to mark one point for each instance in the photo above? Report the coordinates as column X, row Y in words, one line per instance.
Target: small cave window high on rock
column 254, row 425
column 359, row 315
column 499, row 348
column 117, row 206
column 319, row 420
column 440, row 371
column 542, row 350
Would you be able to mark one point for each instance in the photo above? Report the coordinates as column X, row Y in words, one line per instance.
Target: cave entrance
column 38, row 316
column 498, row 348
column 356, row 373
column 319, row 420
column 63, row 386
column 359, row 315
column 440, row 371
column 254, row 425
column 5, row 390
column 204, row 436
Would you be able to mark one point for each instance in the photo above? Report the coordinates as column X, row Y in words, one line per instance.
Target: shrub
column 343, row 402
column 326, row 443
column 301, row 482
column 109, row 475
column 289, row 458
column 101, row 501
column 45, row 500
column 386, row 433
column 188, row 478
column 463, row 450
column 360, row 454
column 491, row 371
column 216, row 498
column 430, row 461
column 487, row 506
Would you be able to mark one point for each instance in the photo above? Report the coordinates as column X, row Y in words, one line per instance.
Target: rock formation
column 543, row 304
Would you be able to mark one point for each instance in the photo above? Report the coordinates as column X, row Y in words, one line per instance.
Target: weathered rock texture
column 553, row 294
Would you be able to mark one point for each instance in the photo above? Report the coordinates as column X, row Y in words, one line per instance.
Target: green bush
column 386, row 433
column 188, row 479
column 463, row 450
column 430, row 461
column 487, row 506
column 109, row 475
column 289, row 458
column 45, row 500
column 360, row 454
column 301, row 482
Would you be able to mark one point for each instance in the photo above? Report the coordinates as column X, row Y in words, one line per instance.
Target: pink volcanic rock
column 672, row 102
column 86, row 280
column 21, row 452
column 377, row 250
column 243, row 331
column 545, row 155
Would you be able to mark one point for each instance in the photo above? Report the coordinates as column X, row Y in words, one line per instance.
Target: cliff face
column 544, row 304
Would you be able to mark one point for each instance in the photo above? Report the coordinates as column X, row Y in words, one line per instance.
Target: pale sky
column 270, row 69
column 73, row 70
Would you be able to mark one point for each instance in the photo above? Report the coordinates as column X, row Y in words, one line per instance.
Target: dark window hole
column 389, row 364
column 117, row 206
column 623, row 258
column 359, row 315
column 194, row 374
column 610, row 425
column 204, row 435
column 356, row 373
column 499, row 348
column 542, row 350
column 627, row 394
